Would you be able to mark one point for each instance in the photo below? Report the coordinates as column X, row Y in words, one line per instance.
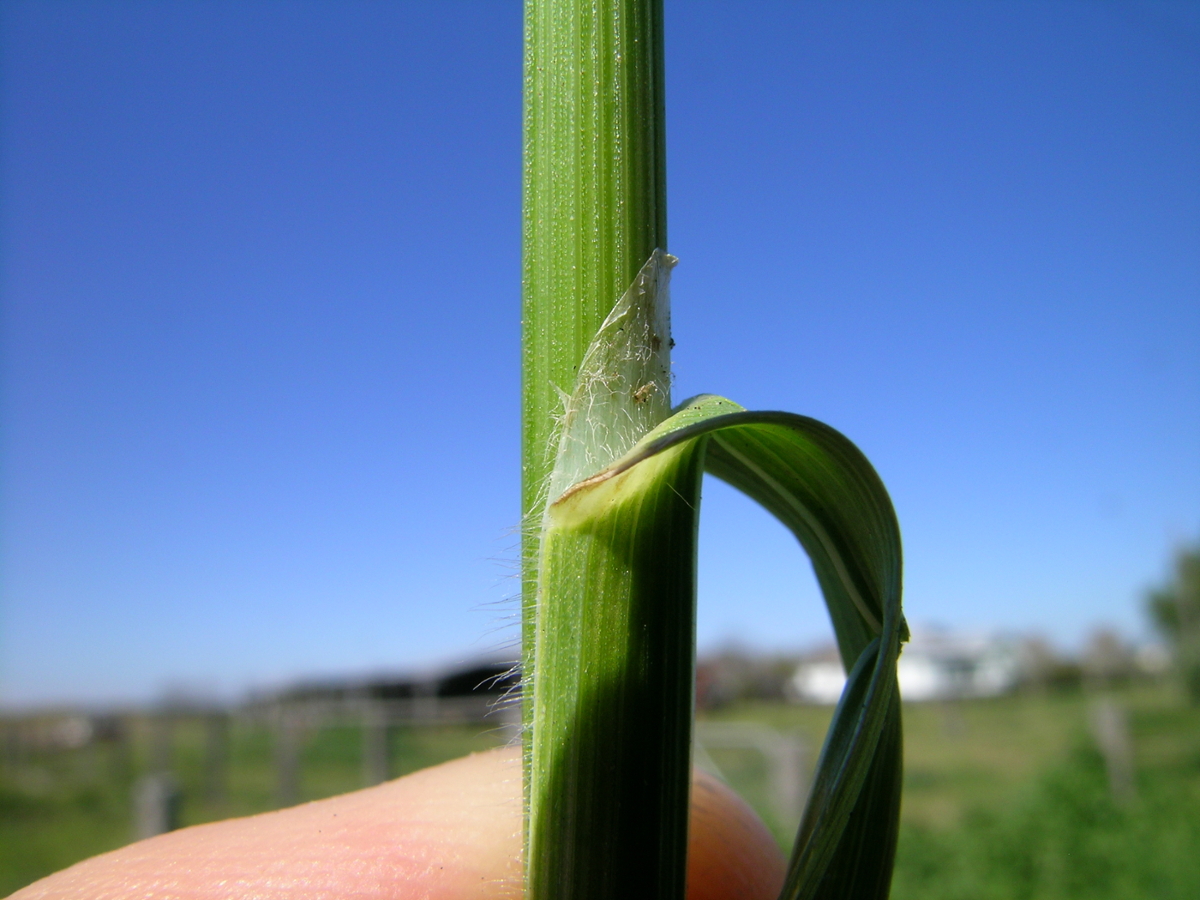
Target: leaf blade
column 826, row 492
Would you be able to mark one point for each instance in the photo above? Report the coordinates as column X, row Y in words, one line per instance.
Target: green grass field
column 1008, row 798
column 1004, row 798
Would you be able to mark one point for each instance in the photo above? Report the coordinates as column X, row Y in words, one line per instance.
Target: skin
column 451, row 832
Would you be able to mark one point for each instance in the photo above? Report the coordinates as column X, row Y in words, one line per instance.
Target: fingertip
column 731, row 854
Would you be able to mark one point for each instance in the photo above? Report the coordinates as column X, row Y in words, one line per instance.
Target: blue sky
column 260, row 273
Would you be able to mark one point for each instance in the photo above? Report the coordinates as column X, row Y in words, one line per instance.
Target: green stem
column 594, row 213
column 594, row 193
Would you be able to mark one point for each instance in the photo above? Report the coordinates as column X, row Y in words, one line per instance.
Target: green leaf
column 621, row 547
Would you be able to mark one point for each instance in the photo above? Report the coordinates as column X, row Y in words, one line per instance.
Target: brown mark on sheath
column 642, row 394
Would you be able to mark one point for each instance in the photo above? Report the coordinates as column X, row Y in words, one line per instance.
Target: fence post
column 157, row 804
column 287, row 754
column 791, row 790
column 1111, row 731
column 216, row 756
column 375, row 743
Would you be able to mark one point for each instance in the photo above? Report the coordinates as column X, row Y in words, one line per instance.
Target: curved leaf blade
column 819, row 485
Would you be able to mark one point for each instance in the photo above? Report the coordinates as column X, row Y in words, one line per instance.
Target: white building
column 934, row 665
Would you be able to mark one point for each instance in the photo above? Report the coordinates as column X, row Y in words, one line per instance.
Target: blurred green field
column 1009, row 798
column 1004, row 798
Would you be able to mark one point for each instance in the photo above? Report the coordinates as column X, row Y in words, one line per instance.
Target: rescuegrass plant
column 611, row 476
